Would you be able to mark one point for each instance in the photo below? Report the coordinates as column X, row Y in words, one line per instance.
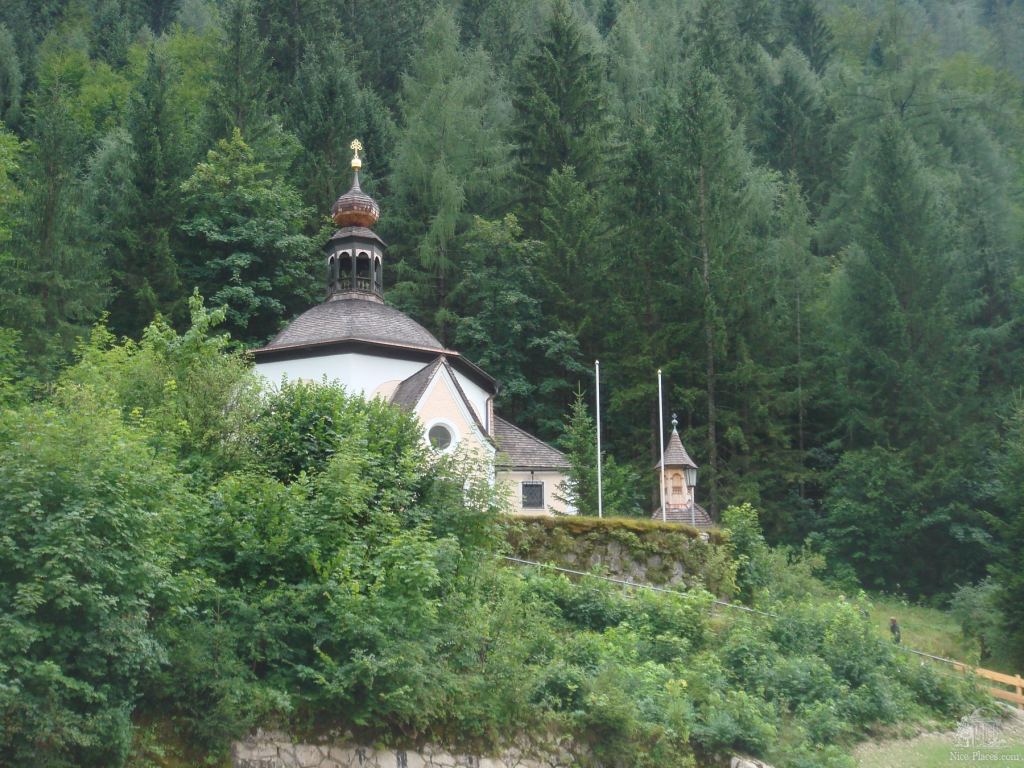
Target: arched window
column 345, row 271
column 677, row 483
column 363, row 272
column 332, row 273
column 378, row 280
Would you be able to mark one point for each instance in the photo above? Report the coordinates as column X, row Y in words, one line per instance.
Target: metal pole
column 661, row 437
column 600, row 495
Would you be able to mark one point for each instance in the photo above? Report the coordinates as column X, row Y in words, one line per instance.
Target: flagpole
column 600, row 496
column 661, row 437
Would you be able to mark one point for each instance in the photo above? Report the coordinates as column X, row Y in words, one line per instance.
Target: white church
column 355, row 339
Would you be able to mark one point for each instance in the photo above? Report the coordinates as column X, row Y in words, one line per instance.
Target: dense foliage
column 182, row 550
column 807, row 213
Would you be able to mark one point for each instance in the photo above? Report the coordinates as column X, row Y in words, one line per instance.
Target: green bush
column 181, row 548
column 86, row 506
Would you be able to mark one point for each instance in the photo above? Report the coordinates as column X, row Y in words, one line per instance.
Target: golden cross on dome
column 356, row 146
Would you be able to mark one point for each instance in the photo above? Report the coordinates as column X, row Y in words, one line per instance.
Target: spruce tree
column 579, row 441
column 449, row 162
column 326, row 108
column 1008, row 568
column 805, row 26
column 713, row 212
column 61, row 282
column 11, row 78
column 906, row 370
column 794, row 125
column 560, row 109
column 145, row 271
column 246, row 249
column 240, row 95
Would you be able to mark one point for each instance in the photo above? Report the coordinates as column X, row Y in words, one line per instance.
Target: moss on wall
column 633, row 549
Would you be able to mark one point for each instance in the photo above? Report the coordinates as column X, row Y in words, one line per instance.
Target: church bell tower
column 355, row 254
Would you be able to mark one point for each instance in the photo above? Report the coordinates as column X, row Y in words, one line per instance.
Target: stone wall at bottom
column 268, row 749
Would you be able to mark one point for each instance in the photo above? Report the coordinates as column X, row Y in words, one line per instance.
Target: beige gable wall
column 441, row 403
column 511, row 481
column 676, row 492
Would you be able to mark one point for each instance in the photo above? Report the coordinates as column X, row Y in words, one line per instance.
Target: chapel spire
column 355, row 253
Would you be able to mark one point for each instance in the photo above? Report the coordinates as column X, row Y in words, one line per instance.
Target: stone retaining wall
column 267, row 749
column 640, row 551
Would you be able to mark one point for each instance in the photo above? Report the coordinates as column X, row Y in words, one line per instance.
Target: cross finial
column 675, row 422
column 356, row 146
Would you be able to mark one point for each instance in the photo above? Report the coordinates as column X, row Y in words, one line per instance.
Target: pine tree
column 560, row 111
column 61, row 284
column 11, row 78
column 326, row 108
column 448, row 164
column 145, row 272
column 246, row 249
column 240, row 96
column 804, row 24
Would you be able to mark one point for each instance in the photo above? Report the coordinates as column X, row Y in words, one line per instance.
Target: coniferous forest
column 807, row 213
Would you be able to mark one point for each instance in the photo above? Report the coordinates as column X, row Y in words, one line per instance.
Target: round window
column 440, row 437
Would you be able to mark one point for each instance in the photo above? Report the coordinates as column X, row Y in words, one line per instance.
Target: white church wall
column 358, row 373
column 477, row 397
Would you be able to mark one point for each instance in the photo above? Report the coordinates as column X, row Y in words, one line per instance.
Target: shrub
column 86, row 505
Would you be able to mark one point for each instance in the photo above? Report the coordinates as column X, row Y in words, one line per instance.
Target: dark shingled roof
column 362, row 232
column 342, row 319
column 697, row 517
column 517, row 448
column 675, row 454
column 411, row 390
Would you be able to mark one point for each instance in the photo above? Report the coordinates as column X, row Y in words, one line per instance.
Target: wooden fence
column 1014, row 682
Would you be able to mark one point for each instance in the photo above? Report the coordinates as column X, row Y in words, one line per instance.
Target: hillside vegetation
column 187, row 553
column 806, row 212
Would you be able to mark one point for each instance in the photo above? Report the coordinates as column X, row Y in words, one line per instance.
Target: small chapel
column 678, row 478
column 354, row 338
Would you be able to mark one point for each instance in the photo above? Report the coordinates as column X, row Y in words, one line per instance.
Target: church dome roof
column 355, row 208
column 353, row 319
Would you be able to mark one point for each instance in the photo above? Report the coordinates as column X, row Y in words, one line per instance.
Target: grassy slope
column 924, row 629
column 930, row 751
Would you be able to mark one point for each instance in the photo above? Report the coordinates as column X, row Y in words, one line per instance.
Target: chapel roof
column 345, row 319
column 518, row 448
column 675, row 454
column 697, row 517
column 411, row 390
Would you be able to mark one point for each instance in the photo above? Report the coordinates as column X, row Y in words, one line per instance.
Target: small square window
column 533, row 495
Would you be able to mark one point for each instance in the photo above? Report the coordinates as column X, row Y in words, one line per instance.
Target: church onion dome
column 353, row 319
column 355, row 208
